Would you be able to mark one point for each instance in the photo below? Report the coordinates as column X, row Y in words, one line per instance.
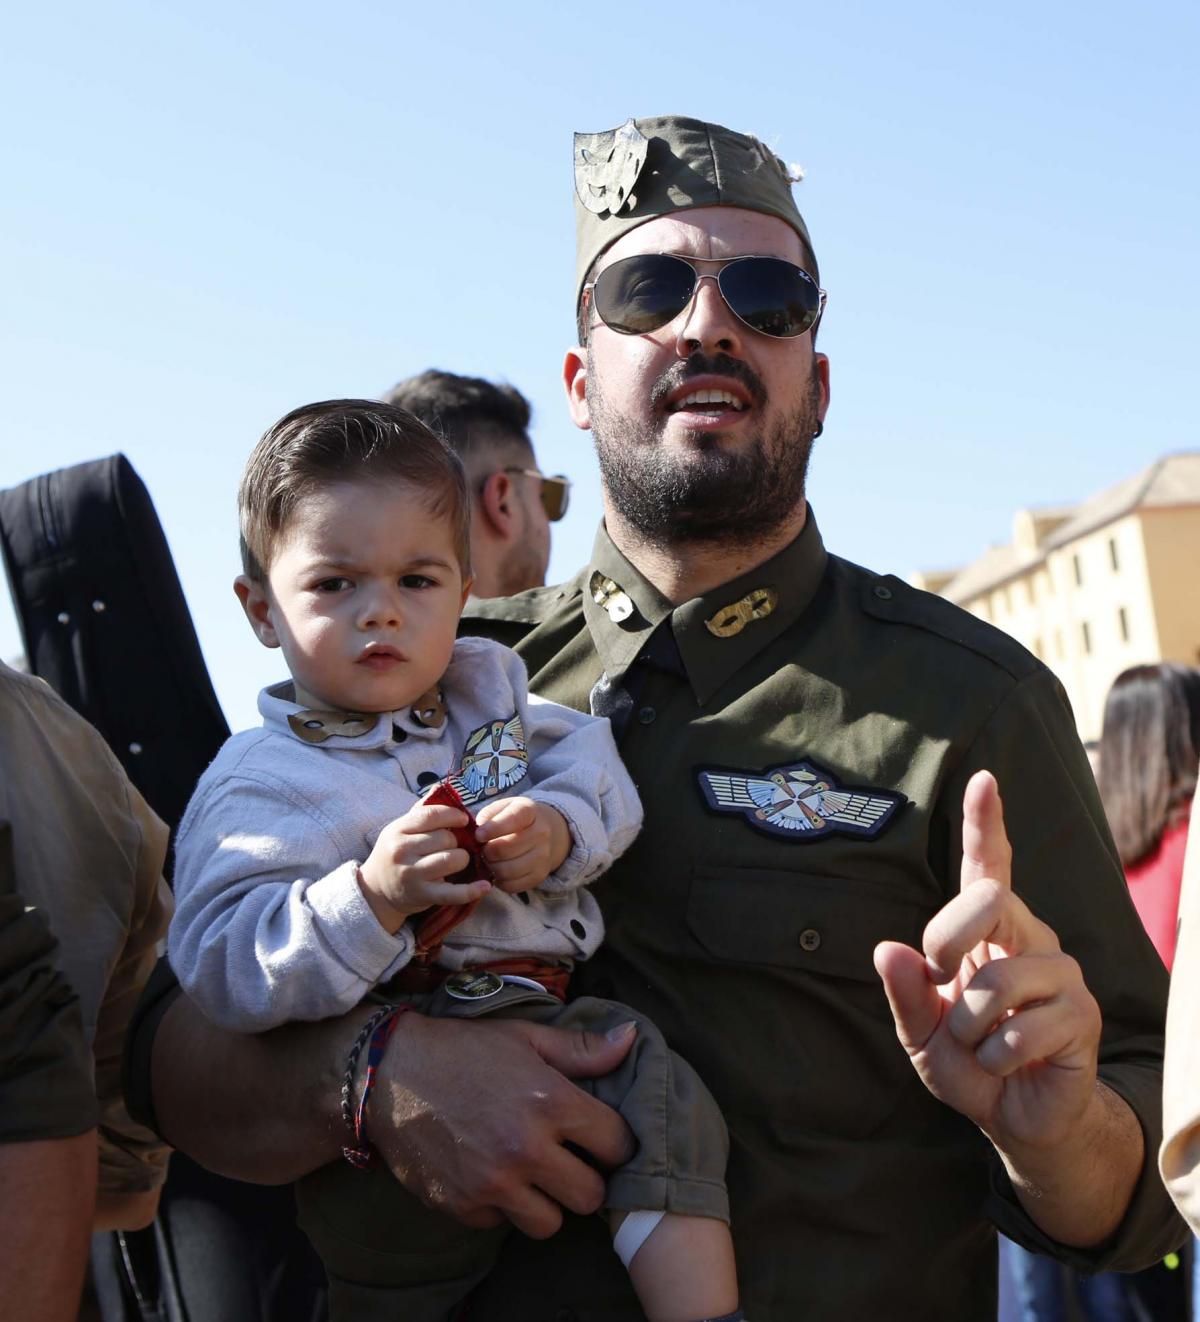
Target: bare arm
column 266, row 1108
column 47, row 1190
column 259, row 1107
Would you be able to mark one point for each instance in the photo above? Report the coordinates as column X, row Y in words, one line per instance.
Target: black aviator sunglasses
column 643, row 293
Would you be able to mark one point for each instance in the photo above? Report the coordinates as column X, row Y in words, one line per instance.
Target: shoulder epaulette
column 530, row 607
column 886, row 597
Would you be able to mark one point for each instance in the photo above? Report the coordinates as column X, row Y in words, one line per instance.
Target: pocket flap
column 828, row 925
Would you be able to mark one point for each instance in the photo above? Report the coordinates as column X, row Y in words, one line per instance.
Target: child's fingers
column 446, row 892
column 522, row 870
column 507, row 848
column 503, row 817
column 434, row 866
column 423, row 817
column 412, row 849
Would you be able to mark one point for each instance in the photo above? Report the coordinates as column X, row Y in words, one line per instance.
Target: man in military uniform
column 873, row 985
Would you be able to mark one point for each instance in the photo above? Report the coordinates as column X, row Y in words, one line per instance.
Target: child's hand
column 523, row 841
column 414, row 854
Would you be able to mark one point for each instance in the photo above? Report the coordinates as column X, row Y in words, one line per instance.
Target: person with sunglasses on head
column 916, row 1032
column 513, row 504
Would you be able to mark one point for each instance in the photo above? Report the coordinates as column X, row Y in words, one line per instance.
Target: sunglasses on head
column 639, row 294
column 555, row 491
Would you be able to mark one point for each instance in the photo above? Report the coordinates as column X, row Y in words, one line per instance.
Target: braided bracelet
column 377, row 1031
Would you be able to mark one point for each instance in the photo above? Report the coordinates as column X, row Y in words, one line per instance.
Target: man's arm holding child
column 266, row 1108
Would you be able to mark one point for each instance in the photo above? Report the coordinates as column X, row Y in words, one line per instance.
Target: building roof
column 1172, row 480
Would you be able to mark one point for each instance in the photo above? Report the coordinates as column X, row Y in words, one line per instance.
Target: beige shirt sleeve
column 89, row 853
column 132, row 1158
column 1179, row 1159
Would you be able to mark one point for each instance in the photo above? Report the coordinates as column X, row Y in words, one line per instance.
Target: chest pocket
column 791, row 955
column 821, row 925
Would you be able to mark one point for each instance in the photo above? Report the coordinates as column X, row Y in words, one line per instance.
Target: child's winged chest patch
column 494, row 760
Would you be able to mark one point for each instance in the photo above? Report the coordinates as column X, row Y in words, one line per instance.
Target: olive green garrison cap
column 653, row 167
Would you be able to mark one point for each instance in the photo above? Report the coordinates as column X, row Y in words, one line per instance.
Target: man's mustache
column 701, row 364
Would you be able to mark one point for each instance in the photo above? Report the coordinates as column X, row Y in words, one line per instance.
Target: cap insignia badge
column 799, row 802
column 607, row 166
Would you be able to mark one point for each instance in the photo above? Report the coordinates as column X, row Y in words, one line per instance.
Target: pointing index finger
column 986, row 850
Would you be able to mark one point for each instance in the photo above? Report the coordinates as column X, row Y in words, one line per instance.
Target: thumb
column 913, row 997
column 583, row 1055
column 986, row 851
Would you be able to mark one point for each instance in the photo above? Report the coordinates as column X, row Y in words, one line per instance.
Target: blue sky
column 212, row 213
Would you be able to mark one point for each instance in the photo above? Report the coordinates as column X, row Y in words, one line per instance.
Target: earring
column 820, row 429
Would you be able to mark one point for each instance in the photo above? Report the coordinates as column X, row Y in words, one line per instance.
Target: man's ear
column 496, row 503
column 257, row 605
column 575, row 381
column 821, row 367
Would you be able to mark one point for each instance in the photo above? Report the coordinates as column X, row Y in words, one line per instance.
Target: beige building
column 1097, row 587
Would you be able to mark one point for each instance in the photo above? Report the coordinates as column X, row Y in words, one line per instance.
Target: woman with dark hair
column 1148, row 755
column 1149, row 752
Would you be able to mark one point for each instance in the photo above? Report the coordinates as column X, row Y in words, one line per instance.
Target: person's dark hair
column 345, row 440
column 1149, row 750
column 466, row 410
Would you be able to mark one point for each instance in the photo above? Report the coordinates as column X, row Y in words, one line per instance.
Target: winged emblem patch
column 799, row 802
column 495, row 759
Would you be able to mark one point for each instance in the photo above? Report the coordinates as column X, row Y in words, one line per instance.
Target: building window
column 1112, row 554
column 1086, row 634
column 1077, row 565
column 1123, row 623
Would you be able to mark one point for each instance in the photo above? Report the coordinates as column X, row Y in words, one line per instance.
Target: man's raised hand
column 994, row 1016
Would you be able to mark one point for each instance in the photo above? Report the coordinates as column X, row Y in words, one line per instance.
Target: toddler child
column 316, row 863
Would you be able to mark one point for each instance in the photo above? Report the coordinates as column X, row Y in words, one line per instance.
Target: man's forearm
column 47, row 1190
column 261, row 1108
column 1079, row 1191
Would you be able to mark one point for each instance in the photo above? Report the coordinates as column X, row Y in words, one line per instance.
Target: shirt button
column 578, row 928
column 399, row 733
column 427, row 778
column 646, row 715
column 884, row 594
column 810, row 939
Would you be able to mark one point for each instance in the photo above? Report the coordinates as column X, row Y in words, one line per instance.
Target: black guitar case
column 105, row 623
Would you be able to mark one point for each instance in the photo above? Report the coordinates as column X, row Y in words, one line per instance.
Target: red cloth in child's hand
column 433, row 926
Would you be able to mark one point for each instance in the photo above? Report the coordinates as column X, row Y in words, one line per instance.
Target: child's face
column 363, row 596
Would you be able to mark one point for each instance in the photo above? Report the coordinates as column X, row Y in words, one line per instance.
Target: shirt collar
column 622, row 610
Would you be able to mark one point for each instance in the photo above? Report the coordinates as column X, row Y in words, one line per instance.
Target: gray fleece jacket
column 270, row 923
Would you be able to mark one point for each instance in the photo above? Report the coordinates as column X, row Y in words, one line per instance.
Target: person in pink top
column 1149, row 749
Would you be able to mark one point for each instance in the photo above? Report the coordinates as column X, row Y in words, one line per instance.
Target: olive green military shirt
column 802, row 769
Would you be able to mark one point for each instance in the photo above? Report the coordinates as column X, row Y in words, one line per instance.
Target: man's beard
column 707, row 494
